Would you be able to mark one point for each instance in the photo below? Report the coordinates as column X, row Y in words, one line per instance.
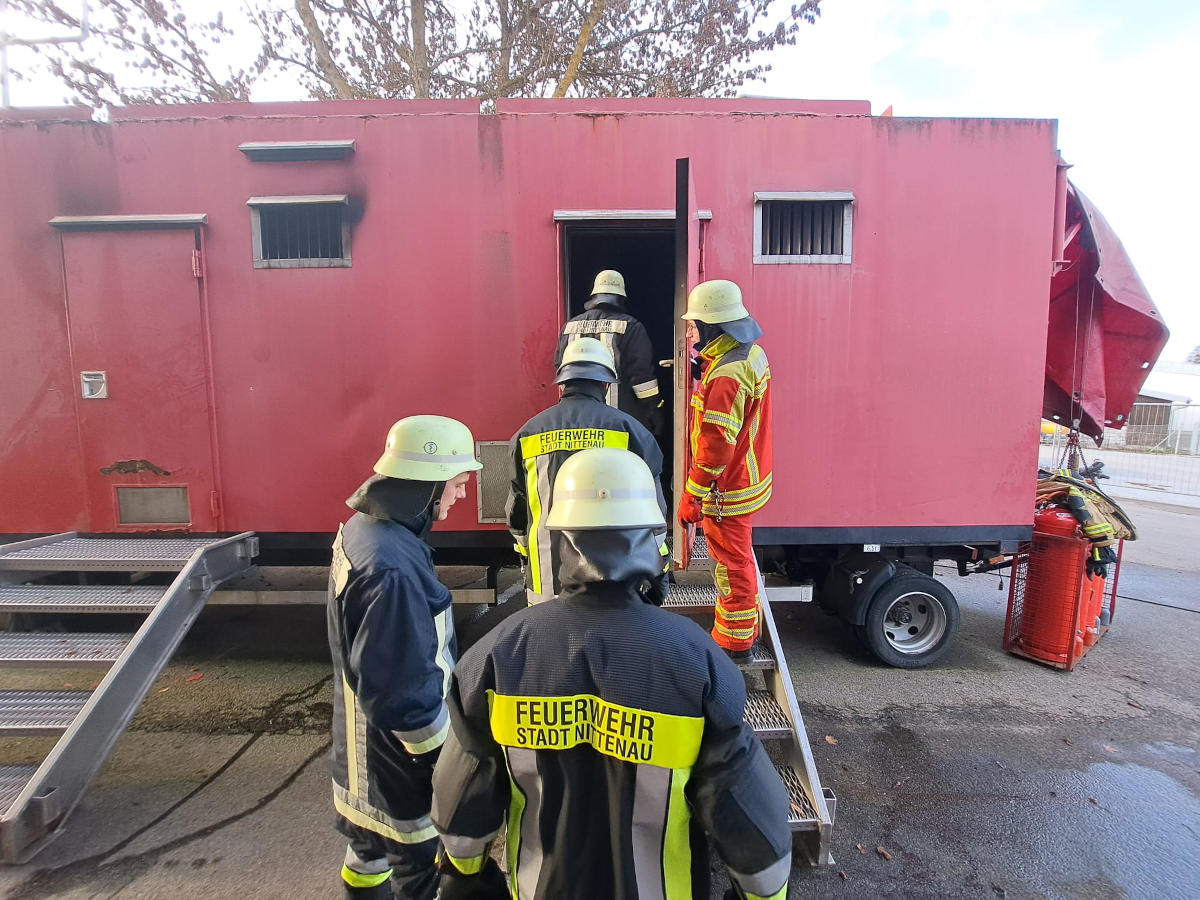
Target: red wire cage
column 1056, row 610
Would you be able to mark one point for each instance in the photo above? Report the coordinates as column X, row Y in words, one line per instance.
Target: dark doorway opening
column 644, row 253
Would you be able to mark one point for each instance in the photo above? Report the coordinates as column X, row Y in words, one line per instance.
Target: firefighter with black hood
column 635, row 390
column 730, row 476
column 604, row 733
column 579, row 420
column 391, row 635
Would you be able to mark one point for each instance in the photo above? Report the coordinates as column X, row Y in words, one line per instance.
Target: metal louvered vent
column 802, row 227
column 301, row 231
column 493, row 480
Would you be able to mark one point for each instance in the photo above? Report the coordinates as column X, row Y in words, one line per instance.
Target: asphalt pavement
column 987, row 776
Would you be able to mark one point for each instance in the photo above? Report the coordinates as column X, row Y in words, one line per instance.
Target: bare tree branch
column 585, row 35
column 152, row 51
column 329, row 70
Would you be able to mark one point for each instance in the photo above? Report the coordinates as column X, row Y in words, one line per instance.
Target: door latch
column 93, row 385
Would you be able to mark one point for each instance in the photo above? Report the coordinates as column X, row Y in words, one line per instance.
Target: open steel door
column 687, row 275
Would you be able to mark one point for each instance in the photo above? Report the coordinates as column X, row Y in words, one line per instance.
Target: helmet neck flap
column 413, row 504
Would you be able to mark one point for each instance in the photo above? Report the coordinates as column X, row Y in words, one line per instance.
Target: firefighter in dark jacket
column 604, row 317
column 580, row 419
column 391, row 636
column 603, row 732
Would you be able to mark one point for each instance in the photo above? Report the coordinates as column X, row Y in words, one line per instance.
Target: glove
column 488, row 884
column 690, row 510
column 1097, row 564
column 656, row 421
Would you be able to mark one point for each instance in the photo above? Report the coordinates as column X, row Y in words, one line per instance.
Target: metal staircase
column 35, row 800
column 771, row 708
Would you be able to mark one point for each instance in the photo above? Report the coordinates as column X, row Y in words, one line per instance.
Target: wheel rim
column 914, row 622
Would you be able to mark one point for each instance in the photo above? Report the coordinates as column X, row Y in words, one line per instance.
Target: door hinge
column 197, row 264
column 214, row 504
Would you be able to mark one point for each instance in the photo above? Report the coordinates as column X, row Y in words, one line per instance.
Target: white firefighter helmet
column 588, row 358
column 716, row 302
column 428, row 448
column 604, row 488
column 610, row 281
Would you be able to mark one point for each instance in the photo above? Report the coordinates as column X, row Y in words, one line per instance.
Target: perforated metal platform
column 760, row 658
column 60, row 649
column 98, row 554
column 764, row 715
column 699, row 548
column 802, row 815
column 39, row 712
column 35, row 800
column 691, row 596
column 12, row 780
column 79, row 598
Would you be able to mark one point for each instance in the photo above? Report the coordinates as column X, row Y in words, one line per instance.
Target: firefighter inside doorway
column 642, row 252
column 635, row 390
column 606, row 734
column 391, row 636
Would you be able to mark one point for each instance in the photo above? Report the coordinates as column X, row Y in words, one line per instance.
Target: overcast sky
column 1118, row 75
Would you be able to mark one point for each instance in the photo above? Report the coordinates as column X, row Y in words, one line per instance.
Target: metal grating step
column 700, row 547
column 761, row 658
column 765, row 716
column 60, row 649
column 802, row 814
column 12, row 781
column 77, row 598
column 691, row 597
column 71, row 554
column 39, row 712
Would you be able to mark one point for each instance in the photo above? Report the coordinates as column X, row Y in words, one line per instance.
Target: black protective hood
column 628, row 556
column 615, row 300
column 413, row 504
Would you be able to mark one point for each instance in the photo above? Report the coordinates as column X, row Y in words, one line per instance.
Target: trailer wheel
column 911, row 622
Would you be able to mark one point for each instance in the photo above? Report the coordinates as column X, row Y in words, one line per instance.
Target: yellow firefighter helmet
column 428, row 448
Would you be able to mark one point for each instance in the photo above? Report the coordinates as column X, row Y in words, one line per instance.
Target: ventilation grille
column 493, row 480
column 301, row 231
column 802, row 227
column 153, row 505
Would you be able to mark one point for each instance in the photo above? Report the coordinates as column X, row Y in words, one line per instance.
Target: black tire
column 911, row 622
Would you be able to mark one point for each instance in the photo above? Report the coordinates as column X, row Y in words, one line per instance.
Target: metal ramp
column 771, row 708
column 35, row 800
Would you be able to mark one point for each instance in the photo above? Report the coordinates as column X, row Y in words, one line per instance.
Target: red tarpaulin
column 1104, row 331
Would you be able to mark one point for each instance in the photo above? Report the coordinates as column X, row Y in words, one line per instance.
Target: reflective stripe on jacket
column 731, row 429
column 539, row 448
column 391, row 636
column 636, row 391
column 605, row 734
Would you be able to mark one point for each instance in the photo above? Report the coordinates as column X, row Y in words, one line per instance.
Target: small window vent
column 300, row 232
column 153, row 506
column 494, row 480
column 802, row 227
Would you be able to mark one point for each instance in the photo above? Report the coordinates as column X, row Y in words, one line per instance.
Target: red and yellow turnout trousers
column 736, row 576
column 731, row 474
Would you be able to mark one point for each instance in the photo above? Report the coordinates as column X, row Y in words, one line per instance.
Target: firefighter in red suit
column 730, row 476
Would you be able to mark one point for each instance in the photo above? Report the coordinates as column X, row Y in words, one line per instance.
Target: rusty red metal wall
column 908, row 383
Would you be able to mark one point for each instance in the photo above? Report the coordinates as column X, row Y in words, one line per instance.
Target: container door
column 138, row 347
column 687, row 275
